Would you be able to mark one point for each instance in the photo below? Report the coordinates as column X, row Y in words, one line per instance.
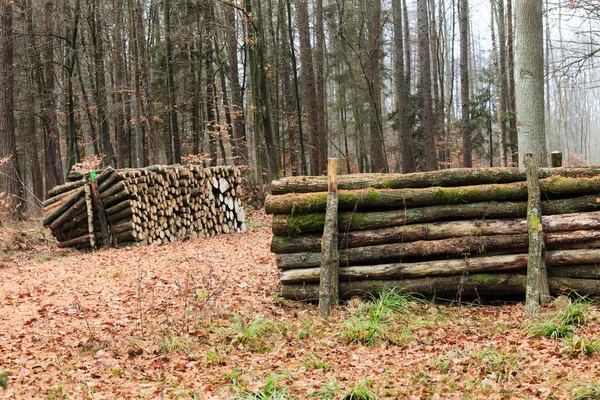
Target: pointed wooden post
column 90, row 212
column 537, row 291
column 330, row 257
column 100, row 212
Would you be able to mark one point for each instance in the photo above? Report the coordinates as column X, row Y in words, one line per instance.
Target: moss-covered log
column 447, row 287
column 380, row 199
column 444, row 267
column 448, row 177
column 465, row 245
column 436, row 230
column 294, row 225
column 591, row 271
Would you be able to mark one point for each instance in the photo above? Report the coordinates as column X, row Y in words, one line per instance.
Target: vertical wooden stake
column 330, row 256
column 537, row 291
column 100, row 212
column 90, row 213
column 556, row 159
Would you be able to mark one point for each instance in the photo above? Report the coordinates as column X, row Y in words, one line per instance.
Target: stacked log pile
column 157, row 204
column 441, row 233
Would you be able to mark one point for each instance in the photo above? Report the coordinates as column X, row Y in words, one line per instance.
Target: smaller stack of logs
column 156, row 204
column 442, row 233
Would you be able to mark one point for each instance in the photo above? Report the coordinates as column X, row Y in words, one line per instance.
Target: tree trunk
column 240, row 149
column 145, row 83
column 309, row 92
column 493, row 285
column 422, row 249
column 530, row 84
column 401, row 92
column 573, row 225
column 11, row 182
column 96, row 25
column 171, row 88
column 380, row 199
column 463, row 21
column 454, row 177
column 293, row 225
column 319, row 57
column 330, row 257
column 122, row 145
column 537, row 291
column 53, row 163
column 378, row 153
column 430, row 162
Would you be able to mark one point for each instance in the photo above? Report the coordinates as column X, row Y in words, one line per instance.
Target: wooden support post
column 330, row 258
column 90, row 213
column 537, row 290
column 99, row 207
column 556, row 159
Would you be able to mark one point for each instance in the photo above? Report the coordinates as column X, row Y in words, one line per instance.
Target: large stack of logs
column 157, row 204
column 443, row 233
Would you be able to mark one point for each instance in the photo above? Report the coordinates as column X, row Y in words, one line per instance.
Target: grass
column 57, row 393
column 562, row 324
column 578, row 347
column 253, row 334
column 314, row 363
column 327, row 391
column 172, row 343
column 361, row 391
column 371, row 322
column 585, row 393
column 271, row 390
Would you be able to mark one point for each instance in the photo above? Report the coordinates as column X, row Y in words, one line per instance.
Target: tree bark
column 453, row 177
column 11, row 182
column 449, row 287
column 466, row 245
column 440, row 230
column 537, row 291
column 463, row 21
column 293, row 225
column 430, row 162
column 530, row 83
column 330, row 257
column 401, row 92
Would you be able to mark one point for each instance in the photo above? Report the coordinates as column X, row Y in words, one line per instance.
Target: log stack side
column 460, row 232
column 156, row 204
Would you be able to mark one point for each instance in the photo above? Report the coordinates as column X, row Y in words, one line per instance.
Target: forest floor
column 202, row 319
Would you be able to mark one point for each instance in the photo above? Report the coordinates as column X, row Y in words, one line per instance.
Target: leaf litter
column 202, row 319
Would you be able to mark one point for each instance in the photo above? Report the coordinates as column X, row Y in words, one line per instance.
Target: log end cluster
column 453, row 233
column 156, row 204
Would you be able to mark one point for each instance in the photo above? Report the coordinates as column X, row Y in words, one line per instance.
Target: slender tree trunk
column 463, row 21
column 378, row 158
column 320, row 85
column 309, row 85
column 430, row 163
column 240, row 149
column 408, row 161
column 511, row 76
column 73, row 155
column 11, row 181
column 33, row 73
column 145, row 81
column 53, row 163
column 171, row 88
column 303, row 165
column 122, row 145
column 96, row 25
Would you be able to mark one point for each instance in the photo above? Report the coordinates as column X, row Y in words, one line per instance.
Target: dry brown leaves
column 175, row 321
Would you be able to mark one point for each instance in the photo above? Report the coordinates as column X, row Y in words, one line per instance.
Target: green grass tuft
column 361, row 391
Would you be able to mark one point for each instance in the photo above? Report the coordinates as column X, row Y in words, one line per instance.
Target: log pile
column 156, row 204
column 442, row 233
